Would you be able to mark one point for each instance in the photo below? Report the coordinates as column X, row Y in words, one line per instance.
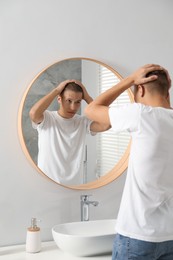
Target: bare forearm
column 111, row 94
column 88, row 99
column 99, row 127
column 97, row 110
column 36, row 112
column 136, row 78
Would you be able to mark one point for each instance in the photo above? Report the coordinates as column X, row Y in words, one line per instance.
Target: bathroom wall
column 35, row 34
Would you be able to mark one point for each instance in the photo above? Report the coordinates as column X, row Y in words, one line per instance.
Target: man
column 62, row 133
column 145, row 220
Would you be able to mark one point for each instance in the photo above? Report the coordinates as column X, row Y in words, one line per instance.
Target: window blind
column 110, row 146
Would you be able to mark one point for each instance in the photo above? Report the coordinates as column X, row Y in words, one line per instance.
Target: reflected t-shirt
column 61, row 144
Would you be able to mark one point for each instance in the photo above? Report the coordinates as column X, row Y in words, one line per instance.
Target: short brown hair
column 74, row 87
column 160, row 85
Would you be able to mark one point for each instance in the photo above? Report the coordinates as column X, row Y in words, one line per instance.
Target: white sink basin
column 85, row 238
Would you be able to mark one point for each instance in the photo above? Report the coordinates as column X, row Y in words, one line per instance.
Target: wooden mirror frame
column 113, row 174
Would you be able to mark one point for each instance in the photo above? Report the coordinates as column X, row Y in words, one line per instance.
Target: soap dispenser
column 33, row 239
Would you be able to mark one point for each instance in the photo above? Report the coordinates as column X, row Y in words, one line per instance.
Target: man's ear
column 59, row 99
column 141, row 90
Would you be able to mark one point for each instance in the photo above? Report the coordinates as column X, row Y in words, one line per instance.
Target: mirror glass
column 106, row 153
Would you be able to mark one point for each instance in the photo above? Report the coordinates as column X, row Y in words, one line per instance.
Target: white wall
column 37, row 33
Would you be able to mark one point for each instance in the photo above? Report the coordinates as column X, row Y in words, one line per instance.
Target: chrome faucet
column 85, row 202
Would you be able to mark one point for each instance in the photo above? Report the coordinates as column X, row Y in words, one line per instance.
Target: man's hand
column 62, row 85
column 139, row 76
column 86, row 97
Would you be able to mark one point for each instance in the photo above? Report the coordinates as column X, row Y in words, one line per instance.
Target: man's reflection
column 62, row 133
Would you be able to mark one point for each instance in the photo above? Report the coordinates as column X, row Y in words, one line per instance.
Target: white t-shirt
column 146, row 210
column 61, row 144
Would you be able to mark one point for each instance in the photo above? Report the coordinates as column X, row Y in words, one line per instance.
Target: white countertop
column 49, row 250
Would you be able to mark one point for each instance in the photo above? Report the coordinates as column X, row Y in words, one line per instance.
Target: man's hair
column 74, row 87
column 160, row 85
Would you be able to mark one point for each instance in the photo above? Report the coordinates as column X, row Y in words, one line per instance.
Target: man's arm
column 99, row 127
column 88, row 99
column 37, row 110
column 98, row 109
column 95, row 126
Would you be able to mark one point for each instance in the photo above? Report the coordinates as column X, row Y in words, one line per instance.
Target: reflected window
column 110, row 146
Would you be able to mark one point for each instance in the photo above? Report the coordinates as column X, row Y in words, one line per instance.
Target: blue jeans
column 126, row 248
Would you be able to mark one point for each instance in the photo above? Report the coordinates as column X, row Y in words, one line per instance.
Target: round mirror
column 105, row 154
